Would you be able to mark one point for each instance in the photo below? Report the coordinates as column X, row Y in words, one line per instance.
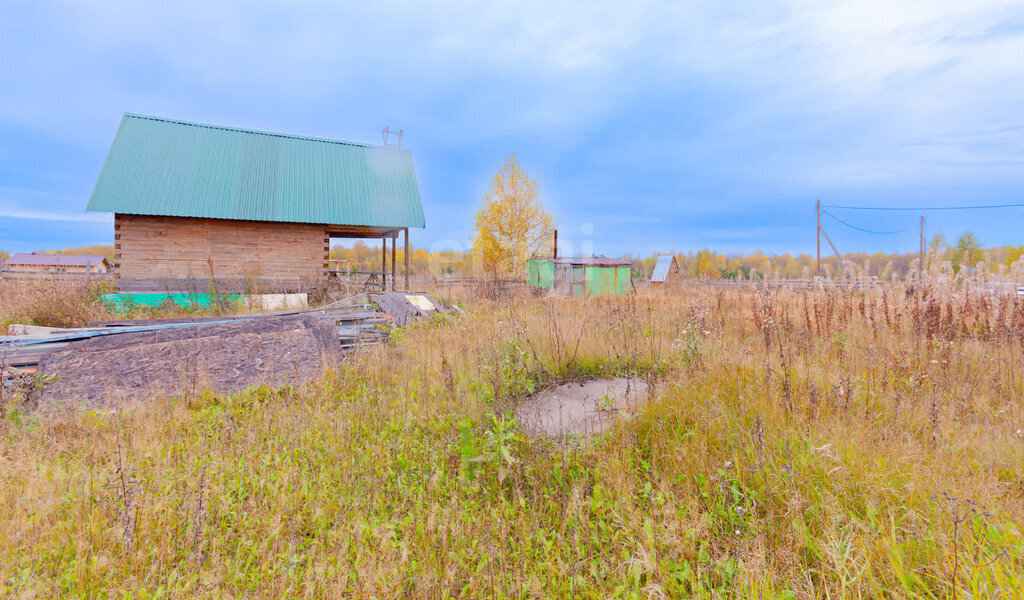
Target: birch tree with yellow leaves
column 512, row 226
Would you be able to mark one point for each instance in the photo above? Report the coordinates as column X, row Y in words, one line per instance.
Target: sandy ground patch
column 581, row 407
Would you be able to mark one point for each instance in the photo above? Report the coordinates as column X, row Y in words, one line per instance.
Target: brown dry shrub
column 51, row 303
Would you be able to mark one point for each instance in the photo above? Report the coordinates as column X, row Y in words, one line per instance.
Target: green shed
column 580, row 276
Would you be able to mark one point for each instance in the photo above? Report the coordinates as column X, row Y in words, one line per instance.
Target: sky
column 649, row 126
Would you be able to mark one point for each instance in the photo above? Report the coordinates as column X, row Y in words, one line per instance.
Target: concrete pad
column 276, row 301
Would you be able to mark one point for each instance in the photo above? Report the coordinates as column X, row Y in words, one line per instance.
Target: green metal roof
column 174, row 168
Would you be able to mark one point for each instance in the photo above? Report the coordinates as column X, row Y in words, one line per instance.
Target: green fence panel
column 608, row 281
column 540, row 273
column 125, row 301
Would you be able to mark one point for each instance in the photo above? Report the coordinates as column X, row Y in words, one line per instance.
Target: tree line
column 967, row 253
column 512, row 226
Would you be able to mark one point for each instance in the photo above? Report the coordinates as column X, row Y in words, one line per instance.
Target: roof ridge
column 43, row 256
column 253, row 131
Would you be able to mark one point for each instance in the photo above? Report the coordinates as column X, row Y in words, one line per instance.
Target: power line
column 976, row 207
column 851, row 226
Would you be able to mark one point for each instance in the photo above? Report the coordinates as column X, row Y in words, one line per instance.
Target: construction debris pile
column 112, row 362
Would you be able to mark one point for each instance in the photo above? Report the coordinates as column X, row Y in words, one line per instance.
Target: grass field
column 825, row 444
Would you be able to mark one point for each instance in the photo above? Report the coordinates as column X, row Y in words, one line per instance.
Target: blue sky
column 649, row 126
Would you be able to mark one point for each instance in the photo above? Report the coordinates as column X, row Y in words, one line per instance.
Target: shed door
column 578, row 280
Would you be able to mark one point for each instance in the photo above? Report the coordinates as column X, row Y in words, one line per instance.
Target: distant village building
column 580, row 276
column 666, row 272
column 46, row 264
column 196, row 205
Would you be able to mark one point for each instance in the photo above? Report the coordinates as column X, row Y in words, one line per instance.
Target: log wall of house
column 155, row 252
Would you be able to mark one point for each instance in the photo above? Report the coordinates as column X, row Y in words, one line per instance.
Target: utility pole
column 819, row 238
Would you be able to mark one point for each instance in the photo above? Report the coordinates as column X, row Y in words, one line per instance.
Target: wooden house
column 199, row 205
column 56, row 264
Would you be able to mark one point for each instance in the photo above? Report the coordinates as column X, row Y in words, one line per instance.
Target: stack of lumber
column 220, row 357
column 111, row 358
column 27, row 345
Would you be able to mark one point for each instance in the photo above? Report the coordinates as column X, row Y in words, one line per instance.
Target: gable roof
column 57, row 260
column 174, row 168
column 661, row 268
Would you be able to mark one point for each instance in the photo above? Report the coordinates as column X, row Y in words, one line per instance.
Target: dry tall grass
column 74, row 303
column 50, row 302
column 800, row 444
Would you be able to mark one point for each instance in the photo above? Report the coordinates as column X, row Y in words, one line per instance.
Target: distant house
column 580, row 276
column 45, row 263
column 666, row 272
column 198, row 204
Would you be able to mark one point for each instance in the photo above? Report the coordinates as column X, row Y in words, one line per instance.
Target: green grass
column 796, row 448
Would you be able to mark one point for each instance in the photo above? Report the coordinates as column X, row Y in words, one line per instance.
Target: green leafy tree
column 967, row 252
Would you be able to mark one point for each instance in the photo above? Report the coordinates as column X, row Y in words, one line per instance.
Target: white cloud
column 18, row 213
column 25, row 203
column 808, row 94
column 568, row 63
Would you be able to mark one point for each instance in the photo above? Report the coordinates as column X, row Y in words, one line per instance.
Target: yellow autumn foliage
column 512, row 226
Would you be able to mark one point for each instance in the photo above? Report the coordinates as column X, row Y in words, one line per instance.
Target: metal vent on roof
column 389, row 134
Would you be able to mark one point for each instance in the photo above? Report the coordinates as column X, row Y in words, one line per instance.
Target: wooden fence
column 992, row 287
column 796, row 284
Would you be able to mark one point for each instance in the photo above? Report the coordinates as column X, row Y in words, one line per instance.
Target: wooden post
column 327, row 255
column 819, row 238
column 394, row 242
column 842, row 262
column 554, row 254
column 383, row 264
column 406, row 232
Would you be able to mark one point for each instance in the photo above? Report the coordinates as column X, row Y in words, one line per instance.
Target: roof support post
column 394, row 242
column 384, row 264
column 405, row 232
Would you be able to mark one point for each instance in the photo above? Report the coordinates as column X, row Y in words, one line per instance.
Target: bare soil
column 582, row 407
